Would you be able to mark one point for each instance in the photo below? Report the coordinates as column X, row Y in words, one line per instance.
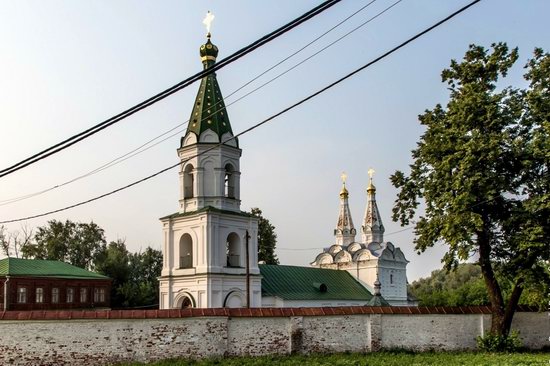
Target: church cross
column 344, row 176
column 208, row 21
column 371, row 173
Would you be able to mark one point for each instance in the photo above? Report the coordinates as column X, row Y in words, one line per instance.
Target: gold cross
column 344, row 176
column 371, row 173
column 208, row 20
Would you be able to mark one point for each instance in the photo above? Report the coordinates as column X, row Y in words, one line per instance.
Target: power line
column 162, row 95
column 139, row 149
column 302, row 101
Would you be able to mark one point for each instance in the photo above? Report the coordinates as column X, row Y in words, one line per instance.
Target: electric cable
column 141, row 148
column 162, row 95
column 259, row 124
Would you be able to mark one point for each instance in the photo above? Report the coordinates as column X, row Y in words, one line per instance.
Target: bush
column 499, row 343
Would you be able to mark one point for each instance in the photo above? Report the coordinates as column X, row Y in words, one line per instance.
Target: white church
column 210, row 247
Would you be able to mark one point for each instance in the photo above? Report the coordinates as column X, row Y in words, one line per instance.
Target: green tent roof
column 44, row 268
column 304, row 283
column 209, row 110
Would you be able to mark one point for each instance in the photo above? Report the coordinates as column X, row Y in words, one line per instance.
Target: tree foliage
column 481, row 168
column 74, row 243
column 465, row 286
column 134, row 275
column 267, row 239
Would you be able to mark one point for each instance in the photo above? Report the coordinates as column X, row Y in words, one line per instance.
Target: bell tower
column 210, row 251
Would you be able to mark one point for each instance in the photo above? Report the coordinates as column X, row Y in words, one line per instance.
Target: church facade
column 372, row 261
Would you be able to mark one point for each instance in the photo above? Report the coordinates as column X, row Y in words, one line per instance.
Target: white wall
column 100, row 342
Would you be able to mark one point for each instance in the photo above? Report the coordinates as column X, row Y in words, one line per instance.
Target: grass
column 386, row 358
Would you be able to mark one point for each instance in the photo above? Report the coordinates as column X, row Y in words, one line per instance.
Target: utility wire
column 160, row 96
column 302, row 101
column 140, row 149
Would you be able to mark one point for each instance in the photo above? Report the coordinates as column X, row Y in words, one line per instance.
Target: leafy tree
column 113, row 262
column 267, row 239
column 135, row 275
column 142, row 287
column 465, row 286
column 74, row 243
column 482, row 169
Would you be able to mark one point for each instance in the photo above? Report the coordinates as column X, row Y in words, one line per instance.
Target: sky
column 67, row 65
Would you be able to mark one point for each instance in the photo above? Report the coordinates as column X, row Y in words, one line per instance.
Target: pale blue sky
column 66, row 65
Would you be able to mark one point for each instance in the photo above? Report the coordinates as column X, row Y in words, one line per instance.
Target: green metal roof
column 206, row 209
column 44, row 268
column 378, row 301
column 303, row 283
column 209, row 110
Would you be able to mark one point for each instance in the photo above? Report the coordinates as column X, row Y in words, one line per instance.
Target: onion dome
column 208, row 52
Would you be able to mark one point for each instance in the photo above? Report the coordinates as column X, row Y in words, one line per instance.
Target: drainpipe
column 6, row 293
column 247, row 271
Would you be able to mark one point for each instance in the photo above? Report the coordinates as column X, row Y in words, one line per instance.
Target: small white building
column 372, row 258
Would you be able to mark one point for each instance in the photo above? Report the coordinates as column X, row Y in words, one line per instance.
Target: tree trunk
column 511, row 306
column 493, row 288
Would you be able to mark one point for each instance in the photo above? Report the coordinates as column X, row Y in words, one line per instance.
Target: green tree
column 142, row 287
column 74, row 243
column 113, row 262
column 481, row 167
column 135, row 275
column 267, row 239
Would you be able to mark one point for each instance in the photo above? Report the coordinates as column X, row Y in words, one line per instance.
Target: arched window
column 188, row 181
column 229, row 181
column 391, row 279
column 233, row 250
column 186, row 251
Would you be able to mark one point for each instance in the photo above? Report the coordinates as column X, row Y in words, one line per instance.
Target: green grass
column 395, row 358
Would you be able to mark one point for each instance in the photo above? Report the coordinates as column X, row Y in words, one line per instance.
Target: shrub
column 499, row 343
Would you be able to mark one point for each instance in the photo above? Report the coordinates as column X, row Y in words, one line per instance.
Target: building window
column 233, row 250
column 186, row 251
column 83, row 295
column 70, row 295
column 188, row 181
column 55, row 295
column 229, row 181
column 99, row 294
column 391, row 279
column 21, row 295
column 39, row 295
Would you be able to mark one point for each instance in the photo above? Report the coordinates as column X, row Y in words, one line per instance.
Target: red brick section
column 254, row 312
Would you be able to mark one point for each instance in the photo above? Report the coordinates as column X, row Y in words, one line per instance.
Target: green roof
column 209, row 110
column 304, row 283
column 378, row 300
column 44, row 268
column 206, row 209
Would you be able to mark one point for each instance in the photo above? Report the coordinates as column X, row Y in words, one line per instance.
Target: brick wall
column 104, row 337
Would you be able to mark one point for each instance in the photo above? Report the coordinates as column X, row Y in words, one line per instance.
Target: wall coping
column 244, row 312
